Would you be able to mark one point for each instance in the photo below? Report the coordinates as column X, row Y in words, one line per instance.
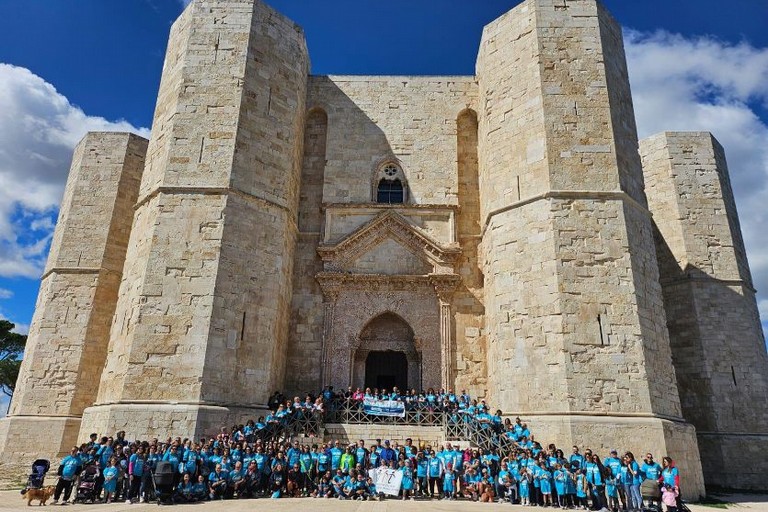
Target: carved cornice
column 332, row 283
column 389, row 224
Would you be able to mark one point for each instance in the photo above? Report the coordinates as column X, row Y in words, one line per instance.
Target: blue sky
column 68, row 67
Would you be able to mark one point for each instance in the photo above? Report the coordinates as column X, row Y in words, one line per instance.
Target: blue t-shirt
column 70, row 465
column 577, row 459
column 670, row 475
column 421, row 468
column 651, row 471
column 360, row 454
column 336, row 454
column 137, row 464
column 435, row 466
column 614, row 464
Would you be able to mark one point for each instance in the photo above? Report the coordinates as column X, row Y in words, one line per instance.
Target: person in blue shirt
column 136, row 463
column 651, row 470
column 336, row 452
column 614, row 463
column 632, row 486
column 70, row 468
column 110, row 473
column 577, row 459
column 449, row 482
column 217, row 483
column 581, row 489
column 504, row 483
column 339, row 482
column 612, row 494
column 422, row 466
column 525, row 487
column 293, row 454
column 596, row 480
column 408, row 479
column 185, row 491
column 545, row 484
column 560, row 476
column 323, row 461
column 361, row 453
column 236, row 480
column 387, row 454
column 359, row 488
column 435, row 475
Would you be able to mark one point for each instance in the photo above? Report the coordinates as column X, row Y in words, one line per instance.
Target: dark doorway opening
column 385, row 370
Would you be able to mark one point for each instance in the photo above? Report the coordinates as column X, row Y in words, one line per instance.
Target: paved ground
column 11, row 500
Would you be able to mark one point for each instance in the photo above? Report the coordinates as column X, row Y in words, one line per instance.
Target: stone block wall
column 575, row 321
column 68, row 337
column 206, row 290
column 715, row 332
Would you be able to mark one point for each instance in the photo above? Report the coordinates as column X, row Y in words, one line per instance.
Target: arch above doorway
column 386, row 351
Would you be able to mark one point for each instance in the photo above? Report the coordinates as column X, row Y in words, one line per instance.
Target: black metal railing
column 456, row 425
column 295, row 423
column 351, row 411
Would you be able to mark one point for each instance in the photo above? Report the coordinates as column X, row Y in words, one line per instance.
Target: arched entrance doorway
column 386, row 355
column 386, row 369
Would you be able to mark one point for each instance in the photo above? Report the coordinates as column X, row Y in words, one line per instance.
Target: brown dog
column 42, row 495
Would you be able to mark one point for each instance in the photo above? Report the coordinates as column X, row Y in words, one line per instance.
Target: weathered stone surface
column 68, row 337
column 716, row 338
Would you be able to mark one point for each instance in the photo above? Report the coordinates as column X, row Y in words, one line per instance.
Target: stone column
column 445, row 287
column 331, row 289
column 69, row 334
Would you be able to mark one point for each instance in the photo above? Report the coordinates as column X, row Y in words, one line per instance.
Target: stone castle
column 503, row 233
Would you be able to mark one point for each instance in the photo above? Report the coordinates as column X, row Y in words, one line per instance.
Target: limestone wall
column 575, row 321
column 207, row 282
column 374, row 118
column 68, row 337
column 715, row 332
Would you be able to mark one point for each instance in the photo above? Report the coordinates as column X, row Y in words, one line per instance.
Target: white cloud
column 704, row 84
column 38, row 131
column 5, row 294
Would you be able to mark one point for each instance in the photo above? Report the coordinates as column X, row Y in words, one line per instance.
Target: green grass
column 711, row 502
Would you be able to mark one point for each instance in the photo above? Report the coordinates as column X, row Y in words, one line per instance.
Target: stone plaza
column 504, row 233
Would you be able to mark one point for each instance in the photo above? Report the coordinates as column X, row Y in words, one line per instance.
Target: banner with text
column 384, row 407
column 387, row 480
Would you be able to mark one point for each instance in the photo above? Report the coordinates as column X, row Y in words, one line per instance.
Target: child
column 110, row 480
column 545, row 484
column 407, row 482
column 560, row 477
column 669, row 497
column 449, row 480
column 525, row 487
column 581, row 489
column 200, row 490
column 324, row 487
column 612, row 491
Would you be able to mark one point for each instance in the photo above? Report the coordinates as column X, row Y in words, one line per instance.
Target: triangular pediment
column 388, row 236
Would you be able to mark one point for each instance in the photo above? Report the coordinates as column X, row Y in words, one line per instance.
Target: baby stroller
column 36, row 479
column 650, row 490
column 86, row 487
column 163, row 479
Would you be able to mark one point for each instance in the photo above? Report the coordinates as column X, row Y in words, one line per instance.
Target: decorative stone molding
column 388, row 225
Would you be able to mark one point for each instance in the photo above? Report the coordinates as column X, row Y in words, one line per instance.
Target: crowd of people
column 244, row 462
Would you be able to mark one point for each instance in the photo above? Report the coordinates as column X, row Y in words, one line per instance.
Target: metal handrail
column 456, row 426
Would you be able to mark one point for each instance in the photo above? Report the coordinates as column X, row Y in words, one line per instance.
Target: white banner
column 387, row 480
